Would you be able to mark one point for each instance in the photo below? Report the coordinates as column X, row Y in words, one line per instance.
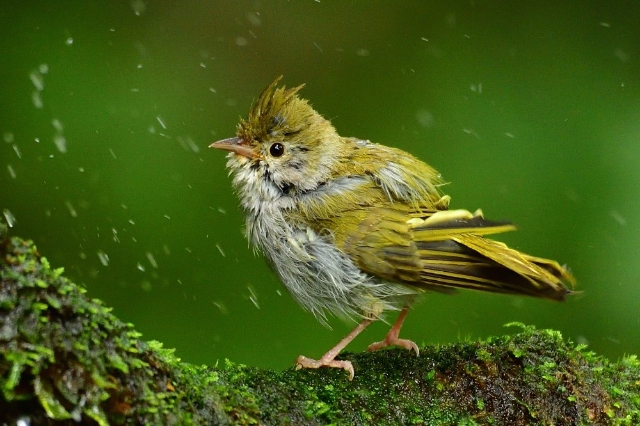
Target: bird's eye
column 276, row 150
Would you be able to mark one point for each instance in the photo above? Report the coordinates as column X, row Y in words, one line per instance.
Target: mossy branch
column 65, row 359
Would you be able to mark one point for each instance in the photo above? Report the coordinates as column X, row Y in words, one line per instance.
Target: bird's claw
column 304, row 362
column 390, row 340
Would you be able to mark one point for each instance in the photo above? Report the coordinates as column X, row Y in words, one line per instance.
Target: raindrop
column 241, row 41
column 37, row 80
column 9, row 217
column 61, row 143
column 72, row 210
column 37, row 99
column 8, row 137
column 221, row 307
column 12, row 172
column 69, row 41
column 220, row 250
column 23, row 421
column 152, row 260
column 104, row 258
column 254, row 19
column 476, row 88
column 425, row 118
column 161, row 121
column 253, row 297
column 618, row 218
column 138, row 7
column 621, row 55
column 57, row 124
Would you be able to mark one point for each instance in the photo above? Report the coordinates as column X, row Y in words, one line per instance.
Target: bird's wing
column 444, row 250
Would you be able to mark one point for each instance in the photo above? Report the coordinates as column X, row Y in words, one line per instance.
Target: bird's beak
column 236, row 145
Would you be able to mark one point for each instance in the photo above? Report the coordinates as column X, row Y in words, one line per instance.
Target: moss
column 65, row 359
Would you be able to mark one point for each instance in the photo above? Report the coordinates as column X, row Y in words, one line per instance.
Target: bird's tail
column 455, row 254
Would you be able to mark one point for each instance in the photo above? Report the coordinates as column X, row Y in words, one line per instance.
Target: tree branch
column 65, row 359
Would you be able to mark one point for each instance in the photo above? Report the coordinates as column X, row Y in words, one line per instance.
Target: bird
column 356, row 229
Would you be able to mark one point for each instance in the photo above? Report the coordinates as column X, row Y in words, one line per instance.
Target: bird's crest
column 270, row 111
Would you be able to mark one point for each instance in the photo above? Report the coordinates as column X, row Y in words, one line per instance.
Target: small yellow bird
column 354, row 228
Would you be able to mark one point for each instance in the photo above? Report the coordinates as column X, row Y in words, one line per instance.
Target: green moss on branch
column 65, row 359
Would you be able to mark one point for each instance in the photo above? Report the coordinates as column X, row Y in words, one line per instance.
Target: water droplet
column 9, row 217
column 36, row 98
column 72, row 210
column 61, row 143
column 253, row 297
column 152, row 260
column 138, row 7
column 425, row 118
column 254, row 19
column 221, row 307
column 37, row 80
column 104, row 257
column 57, row 124
column 161, row 121
column 618, row 218
column 17, row 151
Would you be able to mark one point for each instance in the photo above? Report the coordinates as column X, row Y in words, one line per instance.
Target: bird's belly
column 319, row 276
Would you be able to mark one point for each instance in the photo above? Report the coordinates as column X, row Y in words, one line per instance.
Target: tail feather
column 473, row 262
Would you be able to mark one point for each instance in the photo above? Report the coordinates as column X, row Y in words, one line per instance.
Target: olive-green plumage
column 355, row 228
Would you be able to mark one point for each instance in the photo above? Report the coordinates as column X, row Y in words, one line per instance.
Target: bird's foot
column 394, row 340
column 304, row 362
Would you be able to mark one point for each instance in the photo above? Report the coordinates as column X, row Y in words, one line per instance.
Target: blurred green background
column 530, row 109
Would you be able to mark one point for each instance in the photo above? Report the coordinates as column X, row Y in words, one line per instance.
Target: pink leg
column 328, row 360
column 392, row 336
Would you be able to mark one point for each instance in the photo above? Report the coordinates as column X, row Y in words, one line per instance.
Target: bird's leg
column 392, row 336
column 328, row 360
